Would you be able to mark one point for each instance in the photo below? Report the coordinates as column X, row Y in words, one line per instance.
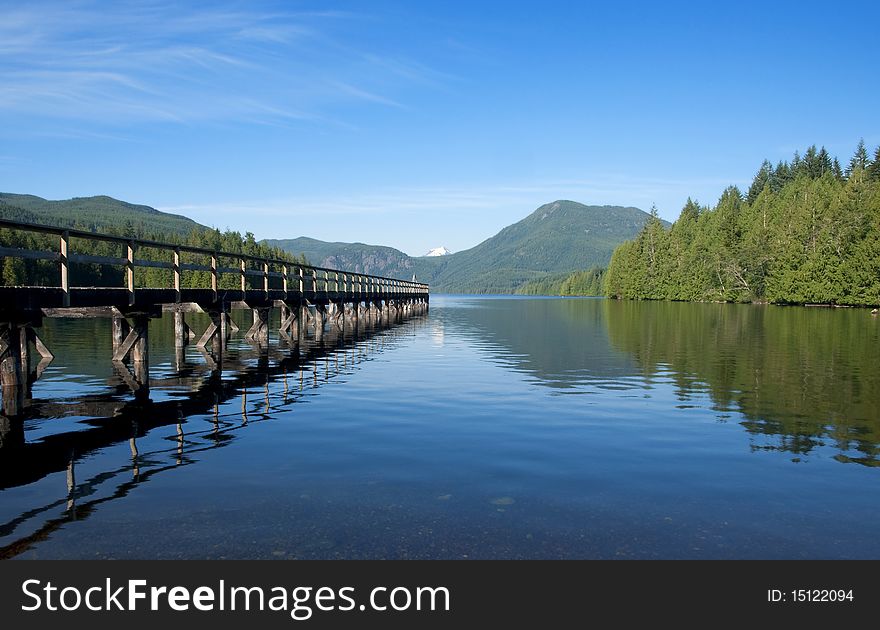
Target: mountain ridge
column 561, row 236
column 94, row 212
column 557, row 238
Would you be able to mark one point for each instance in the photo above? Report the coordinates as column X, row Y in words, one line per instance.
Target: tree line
column 587, row 282
column 16, row 271
column 806, row 231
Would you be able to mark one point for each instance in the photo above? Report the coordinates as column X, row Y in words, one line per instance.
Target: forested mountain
column 558, row 237
column 359, row 257
column 542, row 253
column 109, row 216
column 94, row 214
column 546, row 247
column 807, row 231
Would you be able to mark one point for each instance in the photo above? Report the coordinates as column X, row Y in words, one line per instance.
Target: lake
column 492, row 427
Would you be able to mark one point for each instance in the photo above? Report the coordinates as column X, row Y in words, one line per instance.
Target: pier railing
column 266, row 273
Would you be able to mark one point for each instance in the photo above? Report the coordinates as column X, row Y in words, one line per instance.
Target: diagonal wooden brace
column 127, row 344
column 287, row 324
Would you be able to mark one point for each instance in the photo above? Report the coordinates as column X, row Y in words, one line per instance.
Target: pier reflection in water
column 198, row 401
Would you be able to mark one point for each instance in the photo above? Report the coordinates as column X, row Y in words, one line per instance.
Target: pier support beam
column 289, row 321
column 11, row 370
column 230, row 325
column 289, row 329
column 182, row 332
column 214, row 333
column 120, row 329
column 135, row 347
column 135, row 342
column 16, row 377
column 259, row 331
column 320, row 312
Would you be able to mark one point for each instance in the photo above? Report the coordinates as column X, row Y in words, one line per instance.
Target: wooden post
column 129, row 272
column 285, row 313
column 140, row 349
column 214, row 275
column 25, row 353
column 304, row 320
column 120, row 331
column 319, row 322
column 224, row 325
column 284, row 279
column 242, row 266
column 65, row 267
column 179, row 357
column 263, row 331
column 266, row 278
column 10, row 370
column 176, row 270
column 180, row 334
column 301, row 287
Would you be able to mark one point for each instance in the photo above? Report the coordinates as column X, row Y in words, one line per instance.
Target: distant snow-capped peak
column 439, row 251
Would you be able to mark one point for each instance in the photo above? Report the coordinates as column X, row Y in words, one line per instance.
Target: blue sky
column 417, row 124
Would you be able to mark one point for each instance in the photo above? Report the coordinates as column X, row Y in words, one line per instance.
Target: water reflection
column 801, row 378
column 57, row 435
column 500, row 428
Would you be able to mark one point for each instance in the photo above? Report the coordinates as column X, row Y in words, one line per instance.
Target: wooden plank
column 183, row 307
column 28, row 254
column 207, row 336
column 288, row 321
column 156, row 264
column 194, row 267
column 126, row 346
column 96, row 260
column 41, row 347
column 81, row 312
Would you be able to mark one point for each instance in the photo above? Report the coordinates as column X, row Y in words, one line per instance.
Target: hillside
column 359, row 257
column 94, row 213
column 556, row 239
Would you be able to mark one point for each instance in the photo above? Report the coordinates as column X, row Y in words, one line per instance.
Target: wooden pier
column 224, row 285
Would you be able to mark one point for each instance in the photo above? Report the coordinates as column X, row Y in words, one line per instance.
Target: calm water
column 490, row 428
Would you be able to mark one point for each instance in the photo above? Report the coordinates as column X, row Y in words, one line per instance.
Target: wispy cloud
column 133, row 62
column 610, row 189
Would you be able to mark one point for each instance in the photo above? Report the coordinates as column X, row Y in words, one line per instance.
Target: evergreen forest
column 805, row 232
column 16, row 271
